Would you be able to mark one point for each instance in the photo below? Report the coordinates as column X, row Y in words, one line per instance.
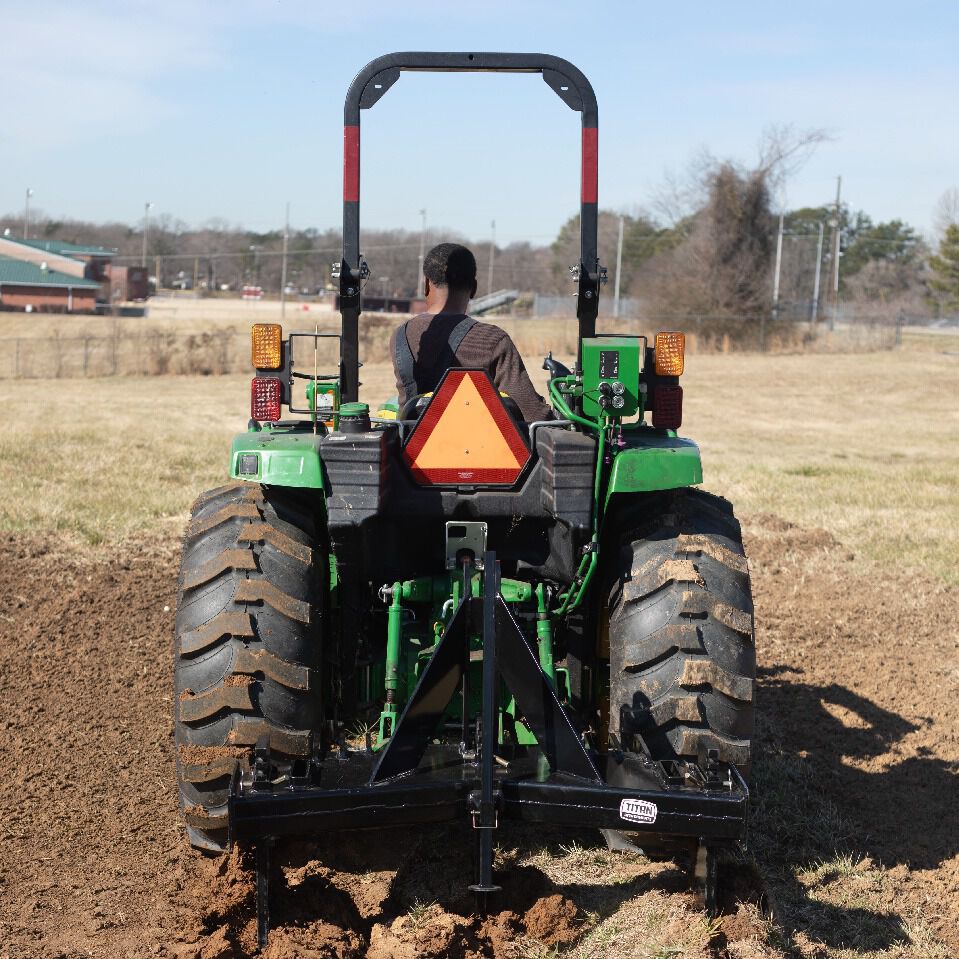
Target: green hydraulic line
column 563, row 407
column 587, row 566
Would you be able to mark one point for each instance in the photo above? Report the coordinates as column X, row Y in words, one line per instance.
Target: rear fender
column 277, row 459
column 655, row 461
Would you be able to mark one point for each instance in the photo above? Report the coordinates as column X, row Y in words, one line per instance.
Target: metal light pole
column 384, row 280
column 419, row 278
column 146, row 229
column 779, row 264
column 619, row 266
column 286, row 240
column 492, row 254
column 834, row 223
column 815, row 288
column 26, row 214
column 776, row 272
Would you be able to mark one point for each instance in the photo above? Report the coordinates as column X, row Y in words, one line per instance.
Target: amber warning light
column 465, row 436
column 267, row 346
column 670, row 354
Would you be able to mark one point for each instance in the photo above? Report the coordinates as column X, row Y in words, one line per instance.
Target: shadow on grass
column 822, row 808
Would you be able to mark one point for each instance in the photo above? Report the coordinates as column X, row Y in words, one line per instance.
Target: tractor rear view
column 444, row 612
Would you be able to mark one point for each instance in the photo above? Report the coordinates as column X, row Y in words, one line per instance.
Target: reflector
column 670, row 353
column 267, row 346
column 668, row 407
column 465, row 436
column 265, row 395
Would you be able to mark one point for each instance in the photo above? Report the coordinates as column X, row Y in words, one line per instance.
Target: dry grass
column 928, row 340
column 865, row 446
column 100, row 460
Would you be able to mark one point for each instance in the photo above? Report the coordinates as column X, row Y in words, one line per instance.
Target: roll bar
column 572, row 87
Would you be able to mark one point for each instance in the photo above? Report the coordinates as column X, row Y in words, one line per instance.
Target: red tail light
column 668, row 407
column 265, row 395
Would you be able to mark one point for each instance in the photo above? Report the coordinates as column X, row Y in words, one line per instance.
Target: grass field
column 865, row 446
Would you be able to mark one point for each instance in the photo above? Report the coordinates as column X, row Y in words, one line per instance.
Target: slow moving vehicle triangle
column 466, row 436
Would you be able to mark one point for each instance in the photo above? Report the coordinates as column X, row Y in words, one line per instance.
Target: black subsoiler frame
column 412, row 781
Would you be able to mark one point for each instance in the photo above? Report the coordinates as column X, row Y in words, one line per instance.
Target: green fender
column 655, row 461
column 279, row 459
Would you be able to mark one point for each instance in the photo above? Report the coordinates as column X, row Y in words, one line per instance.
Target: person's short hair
column 450, row 265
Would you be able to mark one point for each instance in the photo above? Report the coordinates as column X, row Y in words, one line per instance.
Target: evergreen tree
column 945, row 266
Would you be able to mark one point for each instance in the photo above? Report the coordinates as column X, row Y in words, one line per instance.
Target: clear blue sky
column 230, row 109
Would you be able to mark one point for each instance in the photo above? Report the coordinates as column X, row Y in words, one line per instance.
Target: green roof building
column 32, row 286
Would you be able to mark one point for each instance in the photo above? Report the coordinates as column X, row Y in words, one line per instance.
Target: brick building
column 25, row 285
column 84, row 262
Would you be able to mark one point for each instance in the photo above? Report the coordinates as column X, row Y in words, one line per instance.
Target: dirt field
column 853, row 847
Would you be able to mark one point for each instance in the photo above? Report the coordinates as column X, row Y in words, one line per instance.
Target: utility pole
column 834, row 223
column 26, row 214
column 286, row 240
column 815, row 288
column 419, row 278
column 146, row 228
column 779, row 265
column 619, row 267
column 492, row 253
column 776, row 275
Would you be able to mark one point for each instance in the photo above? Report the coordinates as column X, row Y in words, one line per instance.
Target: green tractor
column 443, row 612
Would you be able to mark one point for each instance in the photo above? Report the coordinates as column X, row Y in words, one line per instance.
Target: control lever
column 555, row 367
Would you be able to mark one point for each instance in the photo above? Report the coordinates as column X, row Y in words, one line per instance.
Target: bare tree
column 946, row 213
column 721, row 258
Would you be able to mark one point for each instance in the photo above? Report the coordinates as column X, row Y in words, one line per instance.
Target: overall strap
column 404, row 363
column 460, row 331
column 447, row 359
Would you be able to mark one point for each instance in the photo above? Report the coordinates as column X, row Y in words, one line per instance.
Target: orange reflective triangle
column 466, row 435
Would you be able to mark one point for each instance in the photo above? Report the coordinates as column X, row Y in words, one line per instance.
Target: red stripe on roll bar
column 590, row 164
column 351, row 164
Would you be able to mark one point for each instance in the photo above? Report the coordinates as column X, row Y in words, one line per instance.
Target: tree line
column 707, row 247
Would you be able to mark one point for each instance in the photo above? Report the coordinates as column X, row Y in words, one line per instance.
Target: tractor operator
column 429, row 344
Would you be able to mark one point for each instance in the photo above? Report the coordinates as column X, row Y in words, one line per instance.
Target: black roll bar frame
column 566, row 80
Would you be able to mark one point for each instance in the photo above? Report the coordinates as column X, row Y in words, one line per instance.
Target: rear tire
column 681, row 641
column 250, row 599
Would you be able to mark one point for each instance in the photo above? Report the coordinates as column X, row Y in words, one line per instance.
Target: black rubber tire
column 681, row 641
column 250, row 600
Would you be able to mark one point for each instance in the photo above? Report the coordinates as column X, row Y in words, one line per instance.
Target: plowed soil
column 854, row 837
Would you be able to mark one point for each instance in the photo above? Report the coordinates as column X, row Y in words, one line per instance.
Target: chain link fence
column 147, row 353
column 158, row 352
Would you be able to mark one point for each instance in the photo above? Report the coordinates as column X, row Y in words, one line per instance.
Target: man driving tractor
column 429, row 344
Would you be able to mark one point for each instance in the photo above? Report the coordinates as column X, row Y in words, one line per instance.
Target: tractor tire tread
column 682, row 655
column 249, row 615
